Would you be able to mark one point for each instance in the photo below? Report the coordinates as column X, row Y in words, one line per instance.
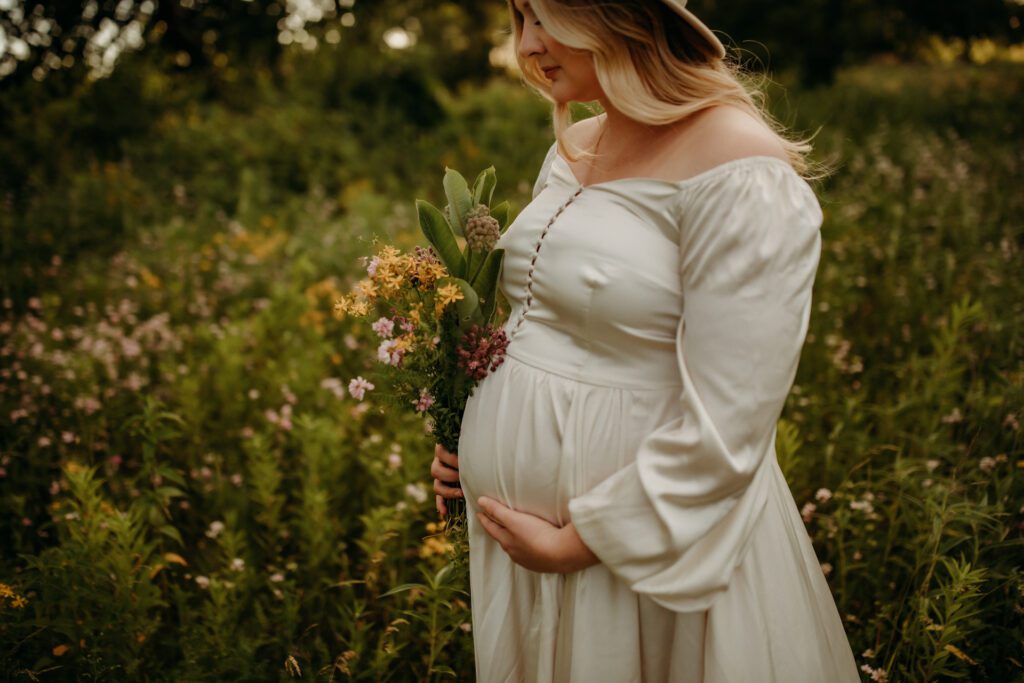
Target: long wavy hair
column 653, row 67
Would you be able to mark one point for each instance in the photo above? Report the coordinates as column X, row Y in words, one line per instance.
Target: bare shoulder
column 725, row 133
column 584, row 133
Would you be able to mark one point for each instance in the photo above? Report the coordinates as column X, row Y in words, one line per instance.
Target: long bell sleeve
column 675, row 523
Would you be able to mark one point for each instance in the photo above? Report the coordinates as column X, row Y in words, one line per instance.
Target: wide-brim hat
column 679, row 6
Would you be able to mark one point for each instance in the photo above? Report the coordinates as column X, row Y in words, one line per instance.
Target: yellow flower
column 341, row 306
column 447, row 294
column 367, row 288
column 359, row 308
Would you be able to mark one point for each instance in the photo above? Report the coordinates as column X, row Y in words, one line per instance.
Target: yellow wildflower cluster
column 325, row 289
column 435, row 544
column 446, row 294
column 9, row 598
column 390, row 274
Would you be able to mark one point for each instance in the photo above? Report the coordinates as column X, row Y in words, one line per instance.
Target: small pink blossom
column 371, row 268
column 44, row 441
column 807, row 511
column 823, row 495
column 424, row 401
column 394, row 461
column 389, row 353
column 358, row 388
column 826, row 568
column 384, row 327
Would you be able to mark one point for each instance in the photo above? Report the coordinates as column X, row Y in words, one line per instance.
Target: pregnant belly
column 533, row 440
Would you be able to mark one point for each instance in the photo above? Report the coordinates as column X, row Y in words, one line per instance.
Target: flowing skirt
column 534, row 439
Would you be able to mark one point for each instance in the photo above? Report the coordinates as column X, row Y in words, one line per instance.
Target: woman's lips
column 549, row 71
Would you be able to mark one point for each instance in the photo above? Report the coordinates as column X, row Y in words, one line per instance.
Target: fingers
column 493, row 510
column 447, row 491
column 442, row 472
column 442, row 509
column 448, row 458
column 494, row 530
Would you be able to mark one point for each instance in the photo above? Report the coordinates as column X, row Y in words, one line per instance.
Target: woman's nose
column 530, row 44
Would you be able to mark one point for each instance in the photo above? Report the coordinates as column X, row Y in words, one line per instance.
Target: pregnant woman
column 628, row 520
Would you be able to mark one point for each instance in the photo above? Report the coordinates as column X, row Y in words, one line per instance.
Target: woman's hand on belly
column 534, row 543
column 445, row 469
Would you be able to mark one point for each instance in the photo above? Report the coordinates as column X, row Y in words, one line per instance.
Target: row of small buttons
column 533, row 261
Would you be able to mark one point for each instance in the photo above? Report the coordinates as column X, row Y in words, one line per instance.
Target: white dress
column 655, row 332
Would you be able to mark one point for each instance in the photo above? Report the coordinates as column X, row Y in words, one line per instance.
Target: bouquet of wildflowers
column 433, row 308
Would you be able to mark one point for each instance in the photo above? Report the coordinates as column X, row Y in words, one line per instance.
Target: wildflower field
column 189, row 492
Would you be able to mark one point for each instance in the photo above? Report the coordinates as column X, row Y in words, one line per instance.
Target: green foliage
column 188, row 492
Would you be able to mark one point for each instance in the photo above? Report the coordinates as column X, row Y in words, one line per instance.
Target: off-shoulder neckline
column 708, row 174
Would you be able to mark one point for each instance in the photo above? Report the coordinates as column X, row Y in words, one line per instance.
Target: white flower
column 823, row 495
column 277, row 577
column 202, row 582
column 416, row 492
column 826, row 568
column 930, row 465
column 987, row 464
column 394, row 461
column 237, row 564
column 215, row 529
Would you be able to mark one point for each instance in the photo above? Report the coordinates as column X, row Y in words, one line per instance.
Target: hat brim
column 698, row 25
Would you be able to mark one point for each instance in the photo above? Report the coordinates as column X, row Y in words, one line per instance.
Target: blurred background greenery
column 187, row 492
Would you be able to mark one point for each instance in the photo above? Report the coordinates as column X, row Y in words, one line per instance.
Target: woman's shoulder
column 721, row 135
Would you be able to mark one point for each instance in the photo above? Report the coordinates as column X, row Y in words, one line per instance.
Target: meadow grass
column 188, row 492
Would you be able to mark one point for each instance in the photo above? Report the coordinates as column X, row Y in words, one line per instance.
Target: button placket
column 533, row 261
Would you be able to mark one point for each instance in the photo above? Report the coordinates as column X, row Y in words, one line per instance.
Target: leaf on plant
column 958, row 653
column 486, row 283
column 440, row 235
column 460, row 201
column 483, row 188
column 501, row 214
column 175, row 558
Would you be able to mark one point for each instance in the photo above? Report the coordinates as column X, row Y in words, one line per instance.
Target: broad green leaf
column 460, row 201
column 501, row 213
column 483, row 188
column 440, row 235
column 486, row 283
column 468, row 307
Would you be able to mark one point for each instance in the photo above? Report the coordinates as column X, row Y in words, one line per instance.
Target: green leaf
column 404, row 587
column 439, row 233
column 460, row 201
column 468, row 307
column 486, row 283
column 483, row 188
column 170, row 531
column 501, row 213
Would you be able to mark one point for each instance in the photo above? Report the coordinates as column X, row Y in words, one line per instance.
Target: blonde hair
column 653, row 67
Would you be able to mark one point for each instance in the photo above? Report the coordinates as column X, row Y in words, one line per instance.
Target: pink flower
column 371, row 269
column 384, row 327
column 481, row 351
column 388, row 352
column 807, row 511
column 823, row 495
column 424, row 401
column 358, row 388
column 394, row 461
